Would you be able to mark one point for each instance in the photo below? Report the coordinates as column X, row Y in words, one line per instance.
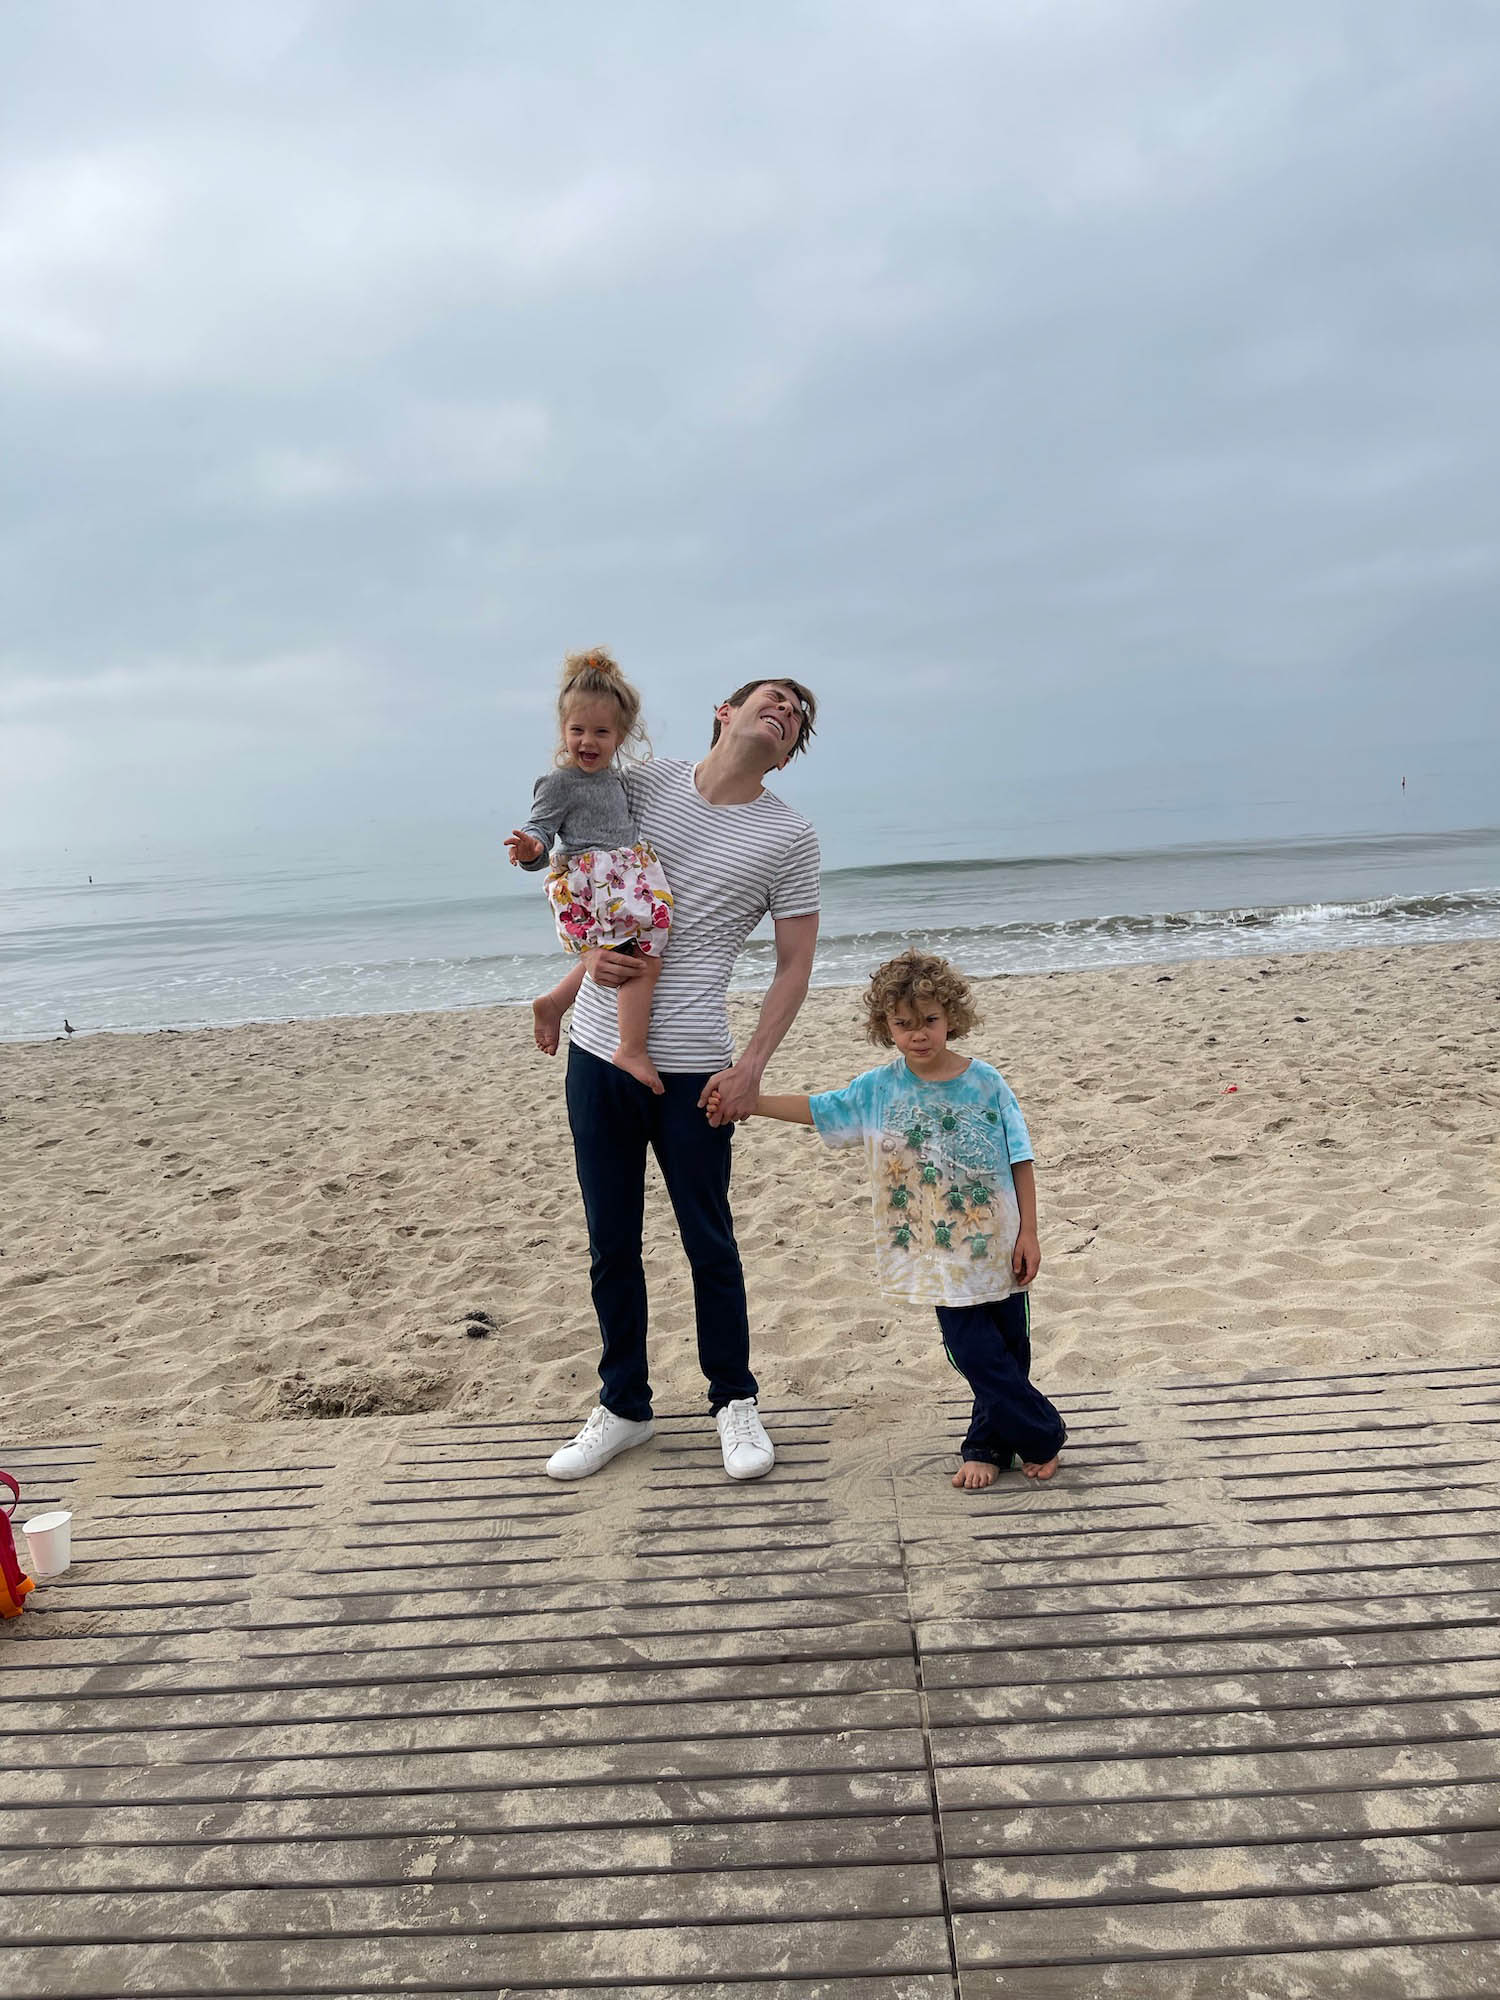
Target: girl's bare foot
column 1039, row 1471
column 973, row 1474
column 642, row 1067
column 546, row 1023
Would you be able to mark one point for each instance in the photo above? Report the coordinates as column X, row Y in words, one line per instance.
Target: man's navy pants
column 614, row 1119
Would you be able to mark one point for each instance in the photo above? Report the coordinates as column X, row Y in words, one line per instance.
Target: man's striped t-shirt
column 728, row 866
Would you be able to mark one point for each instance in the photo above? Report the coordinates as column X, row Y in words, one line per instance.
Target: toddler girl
column 606, row 885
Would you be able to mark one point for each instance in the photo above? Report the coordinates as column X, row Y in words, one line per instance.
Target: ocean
column 184, row 942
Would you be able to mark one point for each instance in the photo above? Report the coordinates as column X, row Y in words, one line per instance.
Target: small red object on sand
column 1230, row 1086
column 14, row 1582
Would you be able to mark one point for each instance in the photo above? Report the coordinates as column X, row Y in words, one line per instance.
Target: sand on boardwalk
column 1242, row 1164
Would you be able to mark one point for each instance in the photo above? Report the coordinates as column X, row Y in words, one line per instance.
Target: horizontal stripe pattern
column 728, row 867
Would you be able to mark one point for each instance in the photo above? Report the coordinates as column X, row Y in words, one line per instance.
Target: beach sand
column 1242, row 1165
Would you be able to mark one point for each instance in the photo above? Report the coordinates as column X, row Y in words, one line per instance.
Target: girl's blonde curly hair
column 588, row 677
column 915, row 978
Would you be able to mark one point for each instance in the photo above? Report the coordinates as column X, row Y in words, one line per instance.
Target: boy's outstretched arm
column 790, row 1110
column 1026, row 1258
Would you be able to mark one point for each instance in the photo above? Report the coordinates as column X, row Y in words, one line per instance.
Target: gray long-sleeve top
column 583, row 810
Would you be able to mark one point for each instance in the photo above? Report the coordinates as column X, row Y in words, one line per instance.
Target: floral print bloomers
column 611, row 897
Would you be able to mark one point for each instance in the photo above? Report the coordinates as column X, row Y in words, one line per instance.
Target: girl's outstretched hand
column 523, row 847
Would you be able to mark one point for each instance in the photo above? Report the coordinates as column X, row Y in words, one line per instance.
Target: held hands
column 729, row 1096
column 1026, row 1258
column 523, row 847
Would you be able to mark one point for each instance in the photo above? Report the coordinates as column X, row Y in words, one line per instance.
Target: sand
column 1289, row 1162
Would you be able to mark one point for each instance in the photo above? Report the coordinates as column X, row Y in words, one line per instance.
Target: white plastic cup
column 50, row 1540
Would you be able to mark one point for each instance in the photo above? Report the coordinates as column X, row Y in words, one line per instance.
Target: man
column 733, row 853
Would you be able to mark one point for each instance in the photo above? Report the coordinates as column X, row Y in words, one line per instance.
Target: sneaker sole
column 759, row 1472
column 587, row 1471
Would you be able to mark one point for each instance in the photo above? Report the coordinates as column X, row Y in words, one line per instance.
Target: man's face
column 772, row 715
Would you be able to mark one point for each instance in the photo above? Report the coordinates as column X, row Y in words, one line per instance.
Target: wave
column 1303, row 848
column 1128, row 924
column 1097, row 943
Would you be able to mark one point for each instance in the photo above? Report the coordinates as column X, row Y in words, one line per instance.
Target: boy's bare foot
column 1039, row 1471
column 642, row 1068
column 546, row 1023
column 973, row 1474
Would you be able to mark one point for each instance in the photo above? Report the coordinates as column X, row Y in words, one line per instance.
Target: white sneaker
column 748, row 1452
column 602, row 1438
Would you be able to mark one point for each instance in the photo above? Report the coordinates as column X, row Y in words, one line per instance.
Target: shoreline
column 1242, row 1163
column 750, row 991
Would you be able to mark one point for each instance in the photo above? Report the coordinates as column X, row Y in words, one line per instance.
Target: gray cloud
column 1089, row 380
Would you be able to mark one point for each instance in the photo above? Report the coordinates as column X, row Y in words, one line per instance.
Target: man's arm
column 739, row 1086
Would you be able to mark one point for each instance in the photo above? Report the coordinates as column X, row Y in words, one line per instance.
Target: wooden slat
column 535, row 1657
column 1264, row 1620
column 1108, row 1831
column 579, row 1851
column 1206, row 1694
column 521, row 1768
column 748, row 1685
column 480, row 1959
column 474, row 1593
column 937, row 1588
column 648, row 1617
column 662, row 1801
column 1412, row 1913
column 1205, row 1775
column 430, row 1734
column 1193, row 1874
column 1234, row 1732
column 520, row 1905
column 1467, row 1971
column 881, row 1986
column 1246, row 1656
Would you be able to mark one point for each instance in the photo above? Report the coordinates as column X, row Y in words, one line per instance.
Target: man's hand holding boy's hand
column 1026, row 1258
column 730, row 1096
column 523, row 848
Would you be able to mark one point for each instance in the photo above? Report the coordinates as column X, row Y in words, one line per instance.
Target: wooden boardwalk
column 379, row 1708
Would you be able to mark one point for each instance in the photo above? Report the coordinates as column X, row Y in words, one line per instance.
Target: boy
column 954, row 1195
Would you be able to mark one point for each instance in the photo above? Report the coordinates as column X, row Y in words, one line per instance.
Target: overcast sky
column 1078, row 394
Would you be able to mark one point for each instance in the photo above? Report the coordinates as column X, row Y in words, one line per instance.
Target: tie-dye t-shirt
column 939, row 1157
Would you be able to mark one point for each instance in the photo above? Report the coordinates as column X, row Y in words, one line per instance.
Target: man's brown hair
column 807, row 701
column 912, row 980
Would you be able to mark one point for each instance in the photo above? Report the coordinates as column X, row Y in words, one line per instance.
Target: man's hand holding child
column 613, row 968
column 730, row 1096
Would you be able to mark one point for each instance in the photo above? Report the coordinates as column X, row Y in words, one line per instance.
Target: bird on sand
column 68, row 1027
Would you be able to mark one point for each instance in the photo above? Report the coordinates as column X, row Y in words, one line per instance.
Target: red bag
column 14, row 1582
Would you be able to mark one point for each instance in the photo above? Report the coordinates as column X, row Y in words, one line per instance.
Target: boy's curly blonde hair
column 588, row 677
column 917, row 977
